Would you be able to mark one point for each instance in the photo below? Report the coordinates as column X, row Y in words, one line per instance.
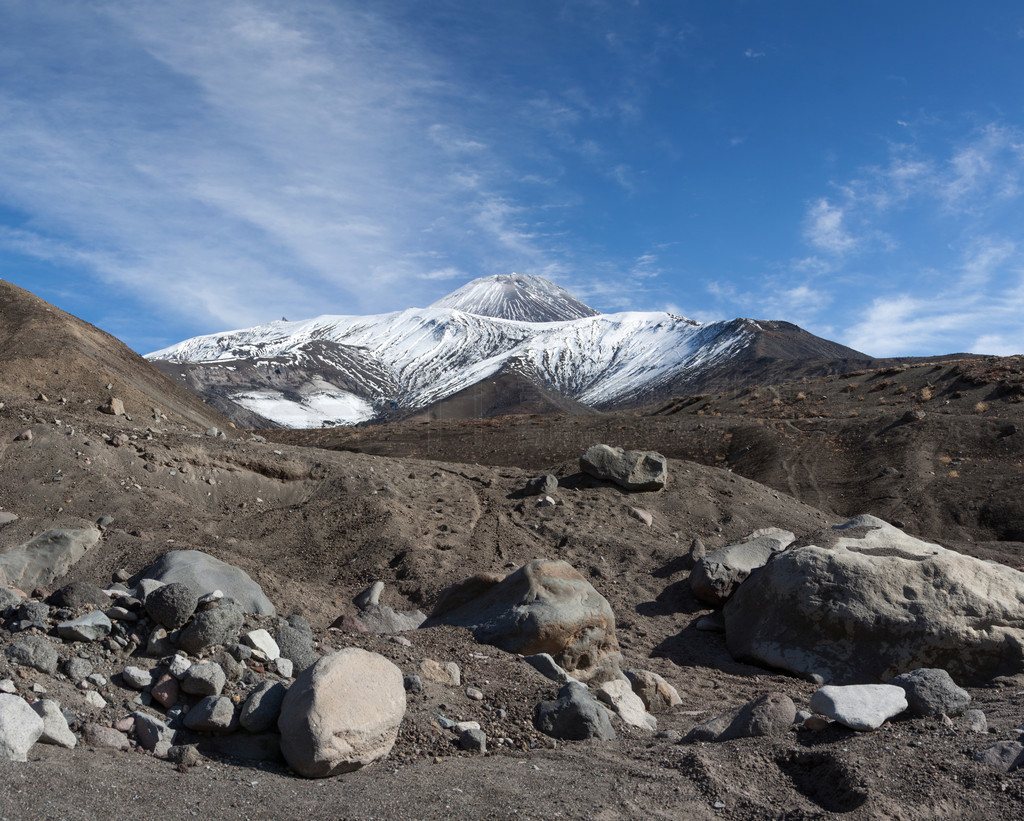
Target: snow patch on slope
column 312, row 411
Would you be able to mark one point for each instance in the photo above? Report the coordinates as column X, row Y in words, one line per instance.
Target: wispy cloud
column 826, row 228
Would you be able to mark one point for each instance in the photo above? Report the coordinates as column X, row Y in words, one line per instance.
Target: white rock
column 7, row 686
column 618, row 694
column 137, row 678
column 285, row 667
column 55, row 726
column 20, row 727
column 262, row 641
column 860, row 706
column 179, row 666
column 94, row 699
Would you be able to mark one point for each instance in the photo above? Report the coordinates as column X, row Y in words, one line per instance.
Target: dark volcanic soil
column 426, row 504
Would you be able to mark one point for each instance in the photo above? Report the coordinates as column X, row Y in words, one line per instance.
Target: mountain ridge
column 337, row 369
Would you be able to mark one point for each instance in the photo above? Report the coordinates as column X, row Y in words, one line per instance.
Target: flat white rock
column 860, row 706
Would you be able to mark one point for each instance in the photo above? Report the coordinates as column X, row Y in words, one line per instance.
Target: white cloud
column 825, row 228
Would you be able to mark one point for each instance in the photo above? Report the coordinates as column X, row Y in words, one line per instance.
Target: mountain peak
column 518, row 297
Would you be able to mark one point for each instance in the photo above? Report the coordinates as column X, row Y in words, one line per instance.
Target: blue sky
column 183, row 167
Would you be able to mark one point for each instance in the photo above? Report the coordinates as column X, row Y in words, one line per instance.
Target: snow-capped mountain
column 336, row 370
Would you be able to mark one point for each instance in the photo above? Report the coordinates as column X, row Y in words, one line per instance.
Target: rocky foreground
column 186, row 661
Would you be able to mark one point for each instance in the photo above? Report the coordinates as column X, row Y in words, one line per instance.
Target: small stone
column 370, row 596
column 113, row 407
column 263, row 706
column 642, row 515
column 447, row 673
column 473, row 741
column 817, row 723
column 285, row 667
column 474, row 694
column 976, row 721
column 150, row 731
column 24, row 436
column 262, row 641
column 463, row 726
column 413, row 684
column 96, row 735
column 7, row 686
column 95, row 700
column 179, row 666
column 137, row 678
column 166, row 691
column 96, row 680
column 36, row 652
column 618, row 694
column 76, row 668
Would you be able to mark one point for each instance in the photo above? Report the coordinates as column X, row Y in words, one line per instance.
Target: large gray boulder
column 872, row 602
column 715, row 576
column 212, row 627
column 629, row 469
column 342, row 713
column 932, row 692
column 544, row 607
column 204, row 574
column 46, row 557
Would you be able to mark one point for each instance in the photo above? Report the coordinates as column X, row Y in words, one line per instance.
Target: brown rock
column 166, row 690
column 349, row 624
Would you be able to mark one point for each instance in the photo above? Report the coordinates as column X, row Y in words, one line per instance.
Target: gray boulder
column 715, row 576
column 9, row 599
column 295, row 641
column 544, row 607
column 769, row 715
column 541, row 486
column 150, row 731
column 1003, row 756
column 263, row 706
column 932, row 692
column 36, row 652
column 212, row 714
column 629, row 469
column 172, row 604
column 204, row 679
column 204, row 574
column 342, row 713
column 872, row 602
column 90, row 627
column 575, row 715
column 211, row 627
column 48, row 556
column 20, row 727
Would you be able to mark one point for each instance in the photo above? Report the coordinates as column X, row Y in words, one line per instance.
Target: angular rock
column 262, row 640
column 629, row 469
column 46, row 557
column 544, row 607
column 166, row 691
column 9, row 599
column 33, row 614
column 860, row 706
column 20, row 728
column 77, row 669
column 55, row 726
column 473, row 741
column 619, row 695
column 541, row 485
column 657, row 695
column 96, row 735
column 36, row 652
column 172, row 604
column 874, row 603
column 715, row 576
column 976, row 721
column 1003, row 756
column 204, row 679
column 79, row 594
column 263, row 707
column 379, row 618
column 769, row 715
column 113, row 406
column 574, row 716
column 211, row 715
column 204, row 574
column 932, row 692
column 342, row 713
column 348, row 623
column 544, row 664
column 90, row 627
column 211, row 627
column 151, row 731
column 642, row 515
column 370, row 596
